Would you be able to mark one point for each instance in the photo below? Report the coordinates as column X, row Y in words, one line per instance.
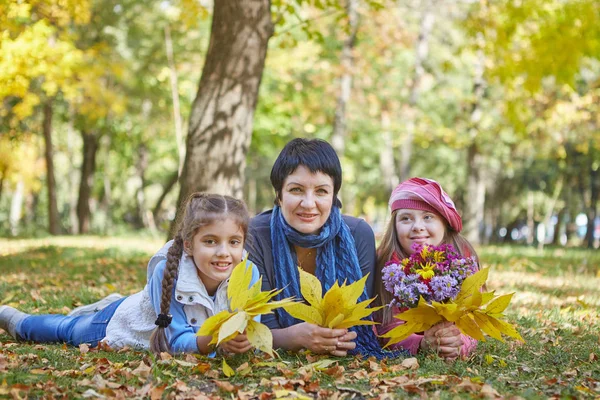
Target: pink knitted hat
column 427, row 195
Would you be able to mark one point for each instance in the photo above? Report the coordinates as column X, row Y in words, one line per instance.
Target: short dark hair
column 315, row 154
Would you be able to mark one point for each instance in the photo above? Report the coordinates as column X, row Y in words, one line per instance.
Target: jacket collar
column 189, row 284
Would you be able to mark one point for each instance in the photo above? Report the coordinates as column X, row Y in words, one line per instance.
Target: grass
column 556, row 307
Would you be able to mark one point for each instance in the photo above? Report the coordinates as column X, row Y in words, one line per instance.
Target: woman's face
column 306, row 200
column 419, row 227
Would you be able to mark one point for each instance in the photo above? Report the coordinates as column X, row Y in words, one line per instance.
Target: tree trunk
column 592, row 210
column 475, row 195
column 386, row 158
column 16, row 205
column 141, row 166
column 550, row 211
column 175, row 96
column 558, row 228
column 88, row 167
column 105, row 204
column 53, row 221
column 411, row 111
column 73, row 175
column 340, row 123
column 220, row 127
column 171, row 181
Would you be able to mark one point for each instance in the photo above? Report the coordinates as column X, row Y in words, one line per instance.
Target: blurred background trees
column 103, row 101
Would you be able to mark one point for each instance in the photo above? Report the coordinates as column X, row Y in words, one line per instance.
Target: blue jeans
column 54, row 328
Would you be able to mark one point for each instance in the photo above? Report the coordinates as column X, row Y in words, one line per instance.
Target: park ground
column 556, row 308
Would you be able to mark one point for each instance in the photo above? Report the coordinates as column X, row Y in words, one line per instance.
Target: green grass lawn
column 556, row 307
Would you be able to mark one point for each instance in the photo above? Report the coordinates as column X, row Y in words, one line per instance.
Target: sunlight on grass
column 147, row 245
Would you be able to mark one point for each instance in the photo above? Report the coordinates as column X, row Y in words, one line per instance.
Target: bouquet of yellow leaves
column 336, row 309
column 473, row 312
column 245, row 303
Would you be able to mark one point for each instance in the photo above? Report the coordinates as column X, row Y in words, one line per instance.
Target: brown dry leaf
column 36, row 296
column 593, row 357
column 181, row 386
column 468, row 385
column 396, row 381
column 201, row 367
column 374, row 366
column 360, row 374
column 165, row 356
column 266, row 396
column 40, row 371
column 84, row 348
column 245, row 395
column 489, row 392
column 243, row 366
column 213, row 374
column 288, row 373
column 312, row 387
column 335, row 372
column 410, row 363
column 143, row 371
column 157, row 392
column 226, row 386
column 570, row 373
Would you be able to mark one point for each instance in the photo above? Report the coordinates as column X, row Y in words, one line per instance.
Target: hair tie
column 163, row 320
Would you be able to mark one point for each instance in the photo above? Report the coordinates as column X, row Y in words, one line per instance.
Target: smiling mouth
column 307, row 217
column 221, row 266
column 419, row 238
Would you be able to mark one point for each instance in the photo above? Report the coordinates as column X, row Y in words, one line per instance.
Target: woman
column 306, row 229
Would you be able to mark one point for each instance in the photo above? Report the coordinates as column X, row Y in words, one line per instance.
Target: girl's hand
column 237, row 345
column 321, row 340
column 444, row 339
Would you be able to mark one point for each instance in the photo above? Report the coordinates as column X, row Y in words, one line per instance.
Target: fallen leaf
column 227, row 370
column 84, row 348
column 156, row 392
column 410, row 363
column 226, row 386
column 489, row 392
column 92, row 393
column 143, row 371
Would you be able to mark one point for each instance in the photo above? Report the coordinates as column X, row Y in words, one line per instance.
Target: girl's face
column 306, row 200
column 420, row 227
column 216, row 248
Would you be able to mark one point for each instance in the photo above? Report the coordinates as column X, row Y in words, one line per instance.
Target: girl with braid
column 183, row 290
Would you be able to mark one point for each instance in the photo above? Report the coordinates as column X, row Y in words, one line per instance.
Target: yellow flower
column 426, row 271
column 425, row 252
column 438, row 256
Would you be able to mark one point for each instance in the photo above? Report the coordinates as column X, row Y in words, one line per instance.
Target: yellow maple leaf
column 467, row 311
column 337, row 308
column 245, row 303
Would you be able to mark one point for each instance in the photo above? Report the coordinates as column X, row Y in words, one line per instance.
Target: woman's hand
column 444, row 339
column 321, row 340
column 237, row 345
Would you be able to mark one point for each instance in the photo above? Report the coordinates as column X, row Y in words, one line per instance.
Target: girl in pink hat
column 422, row 213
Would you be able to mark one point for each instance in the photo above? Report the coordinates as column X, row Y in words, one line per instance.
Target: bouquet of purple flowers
column 435, row 273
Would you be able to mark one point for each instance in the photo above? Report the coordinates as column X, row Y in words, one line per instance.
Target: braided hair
column 201, row 209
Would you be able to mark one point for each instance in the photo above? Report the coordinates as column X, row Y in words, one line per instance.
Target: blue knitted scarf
column 336, row 260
